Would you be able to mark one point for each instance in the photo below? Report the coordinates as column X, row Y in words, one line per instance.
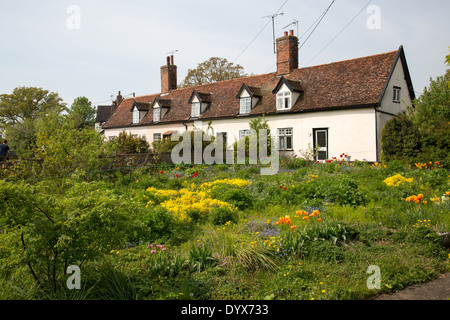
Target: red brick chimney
column 168, row 76
column 287, row 53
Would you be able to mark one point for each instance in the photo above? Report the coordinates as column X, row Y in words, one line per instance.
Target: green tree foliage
column 431, row 115
column 65, row 150
column 82, row 114
column 46, row 232
column 212, row 70
column 126, row 143
column 20, row 112
column 400, row 139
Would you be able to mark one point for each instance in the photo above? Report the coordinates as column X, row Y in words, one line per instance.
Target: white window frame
column 284, row 100
column 136, row 116
column 397, row 94
column 245, row 105
column 156, row 114
column 283, row 137
column 156, row 137
column 244, row 133
column 196, row 109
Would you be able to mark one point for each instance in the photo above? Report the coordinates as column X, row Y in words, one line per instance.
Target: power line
column 339, row 33
column 268, row 22
column 316, row 23
column 320, row 20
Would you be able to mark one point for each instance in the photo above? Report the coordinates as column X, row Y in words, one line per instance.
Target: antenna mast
column 295, row 22
column 273, row 26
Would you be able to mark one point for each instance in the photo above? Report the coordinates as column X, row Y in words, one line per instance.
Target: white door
column 321, row 142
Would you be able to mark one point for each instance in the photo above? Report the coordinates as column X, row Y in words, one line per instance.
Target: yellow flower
column 323, row 291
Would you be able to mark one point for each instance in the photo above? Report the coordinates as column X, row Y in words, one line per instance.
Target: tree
column 212, row 70
column 21, row 112
column 28, row 103
column 400, row 139
column 431, row 115
column 82, row 114
column 127, row 143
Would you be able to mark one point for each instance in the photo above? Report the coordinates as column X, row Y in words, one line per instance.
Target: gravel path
column 437, row 289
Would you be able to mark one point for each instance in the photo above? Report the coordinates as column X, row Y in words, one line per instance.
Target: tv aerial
column 295, row 22
column 273, row 16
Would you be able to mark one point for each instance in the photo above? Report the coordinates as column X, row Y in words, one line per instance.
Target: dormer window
column 139, row 110
column 136, row 117
column 245, row 105
column 199, row 103
column 156, row 114
column 248, row 98
column 284, row 100
column 288, row 92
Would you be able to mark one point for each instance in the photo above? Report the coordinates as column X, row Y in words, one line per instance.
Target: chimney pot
column 291, row 32
column 171, row 59
column 168, row 60
column 285, row 33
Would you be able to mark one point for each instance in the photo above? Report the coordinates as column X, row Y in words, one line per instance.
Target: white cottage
column 340, row 107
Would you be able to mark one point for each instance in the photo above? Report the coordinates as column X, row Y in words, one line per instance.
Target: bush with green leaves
column 400, row 139
column 45, row 232
column 129, row 144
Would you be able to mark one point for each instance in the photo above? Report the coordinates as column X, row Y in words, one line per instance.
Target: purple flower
column 163, row 249
column 150, row 246
column 153, row 251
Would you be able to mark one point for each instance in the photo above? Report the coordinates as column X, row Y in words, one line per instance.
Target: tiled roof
column 103, row 113
column 346, row 84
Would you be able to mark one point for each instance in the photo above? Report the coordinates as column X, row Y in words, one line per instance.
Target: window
column 397, row 92
column 321, row 142
column 136, row 115
column 244, row 133
column 285, row 139
column 245, row 105
column 156, row 114
column 283, row 100
column 156, row 137
column 195, row 109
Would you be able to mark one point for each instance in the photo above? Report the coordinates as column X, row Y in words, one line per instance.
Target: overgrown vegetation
column 225, row 232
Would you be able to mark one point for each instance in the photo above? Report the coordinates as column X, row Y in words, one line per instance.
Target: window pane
column 245, row 105
column 136, row 116
column 289, row 142
column 156, row 114
column 282, row 143
column 195, row 110
column 321, row 139
column 322, row 155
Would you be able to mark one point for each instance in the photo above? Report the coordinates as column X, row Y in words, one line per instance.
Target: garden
column 224, row 232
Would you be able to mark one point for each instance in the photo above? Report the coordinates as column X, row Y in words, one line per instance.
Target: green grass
column 364, row 222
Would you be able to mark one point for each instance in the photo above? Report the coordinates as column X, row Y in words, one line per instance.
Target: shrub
column 222, row 215
column 239, row 197
column 48, row 232
column 127, row 143
column 400, row 139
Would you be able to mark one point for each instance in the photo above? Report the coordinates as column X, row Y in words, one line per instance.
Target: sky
column 94, row 48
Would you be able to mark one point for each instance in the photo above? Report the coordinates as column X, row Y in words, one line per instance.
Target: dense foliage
column 225, row 231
